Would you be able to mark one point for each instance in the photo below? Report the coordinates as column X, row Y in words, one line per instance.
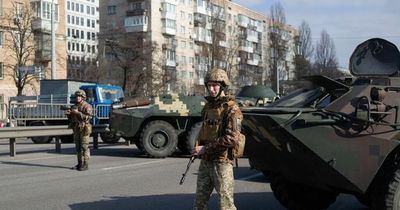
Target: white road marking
column 131, row 165
column 250, row 177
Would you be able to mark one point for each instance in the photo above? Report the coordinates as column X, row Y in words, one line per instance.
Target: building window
column 93, row 49
column 68, row 32
column 93, row 36
column 88, row 22
column 68, row 5
column 82, row 6
column 82, row 34
column 88, row 10
column 182, row 29
column 93, row 24
column 112, row 10
column 88, row 35
column 92, row 10
column 82, row 47
column 82, row 21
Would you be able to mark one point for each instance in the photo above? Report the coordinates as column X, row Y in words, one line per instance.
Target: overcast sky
column 348, row 22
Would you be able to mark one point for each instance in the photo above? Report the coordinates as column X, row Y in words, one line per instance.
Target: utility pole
column 53, row 43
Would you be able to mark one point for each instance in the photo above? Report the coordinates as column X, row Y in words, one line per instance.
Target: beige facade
column 38, row 59
column 185, row 31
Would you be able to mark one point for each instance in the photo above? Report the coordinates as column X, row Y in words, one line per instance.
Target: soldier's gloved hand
column 75, row 111
column 198, row 150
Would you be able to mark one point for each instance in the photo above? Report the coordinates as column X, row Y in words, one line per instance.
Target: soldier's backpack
column 238, row 149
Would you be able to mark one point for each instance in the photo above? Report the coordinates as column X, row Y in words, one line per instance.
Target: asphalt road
column 119, row 178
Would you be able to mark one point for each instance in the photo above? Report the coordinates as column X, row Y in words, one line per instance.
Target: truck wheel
column 300, row 197
column 158, row 139
column 40, row 139
column 192, row 136
column 109, row 138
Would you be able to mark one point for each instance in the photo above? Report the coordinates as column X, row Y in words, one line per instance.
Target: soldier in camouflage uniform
column 218, row 136
column 79, row 118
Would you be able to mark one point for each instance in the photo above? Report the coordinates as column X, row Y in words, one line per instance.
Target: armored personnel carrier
column 329, row 137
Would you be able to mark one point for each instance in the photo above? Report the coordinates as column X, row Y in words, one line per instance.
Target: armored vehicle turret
column 329, row 137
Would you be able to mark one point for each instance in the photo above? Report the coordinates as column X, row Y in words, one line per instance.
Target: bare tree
column 278, row 45
column 130, row 60
column 325, row 58
column 304, row 52
column 217, row 46
column 19, row 42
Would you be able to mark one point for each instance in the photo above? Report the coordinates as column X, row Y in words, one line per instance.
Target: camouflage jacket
column 81, row 120
column 220, row 130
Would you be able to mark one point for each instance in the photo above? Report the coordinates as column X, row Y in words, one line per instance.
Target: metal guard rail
column 31, row 131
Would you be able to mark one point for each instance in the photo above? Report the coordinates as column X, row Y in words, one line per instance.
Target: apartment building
column 196, row 35
column 82, row 28
column 37, row 48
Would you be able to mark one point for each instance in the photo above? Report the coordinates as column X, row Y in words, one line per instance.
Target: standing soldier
column 218, row 136
column 79, row 117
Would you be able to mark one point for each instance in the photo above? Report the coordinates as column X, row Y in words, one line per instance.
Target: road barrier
column 31, row 131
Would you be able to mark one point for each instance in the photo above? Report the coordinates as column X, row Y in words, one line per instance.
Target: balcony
column 168, row 15
column 252, row 38
column 200, row 9
column 136, row 12
column 246, row 49
column 169, row 46
column 168, row 31
column 39, row 24
column 43, row 55
column 170, row 63
column 253, row 62
column 135, row 24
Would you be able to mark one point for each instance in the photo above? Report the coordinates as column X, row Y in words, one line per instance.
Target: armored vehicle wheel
column 158, row 139
column 385, row 193
column 299, row 197
column 40, row 139
column 109, row 138
column 192, row 136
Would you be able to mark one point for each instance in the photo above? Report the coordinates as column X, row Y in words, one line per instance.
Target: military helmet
column 80, row 93
column 217, row 75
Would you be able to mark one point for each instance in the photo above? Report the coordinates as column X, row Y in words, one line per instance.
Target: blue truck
column 45, row 108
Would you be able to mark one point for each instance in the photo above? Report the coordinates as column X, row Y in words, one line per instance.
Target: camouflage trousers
column 214, row 175
column 82, row 146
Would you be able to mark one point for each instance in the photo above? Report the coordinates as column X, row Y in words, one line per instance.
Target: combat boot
column 84, row 167
column 77, row 166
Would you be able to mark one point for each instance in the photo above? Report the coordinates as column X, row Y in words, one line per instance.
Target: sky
column 348, row 22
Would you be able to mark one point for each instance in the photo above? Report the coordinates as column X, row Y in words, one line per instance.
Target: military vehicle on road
column 329, row 138
column 160, row 124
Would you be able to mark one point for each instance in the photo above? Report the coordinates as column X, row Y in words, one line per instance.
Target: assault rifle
column 65, row 108
column 191, row 160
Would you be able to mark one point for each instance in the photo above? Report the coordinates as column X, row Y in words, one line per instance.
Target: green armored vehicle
column 329, row 138
column 255, row 95
column 157, row 126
